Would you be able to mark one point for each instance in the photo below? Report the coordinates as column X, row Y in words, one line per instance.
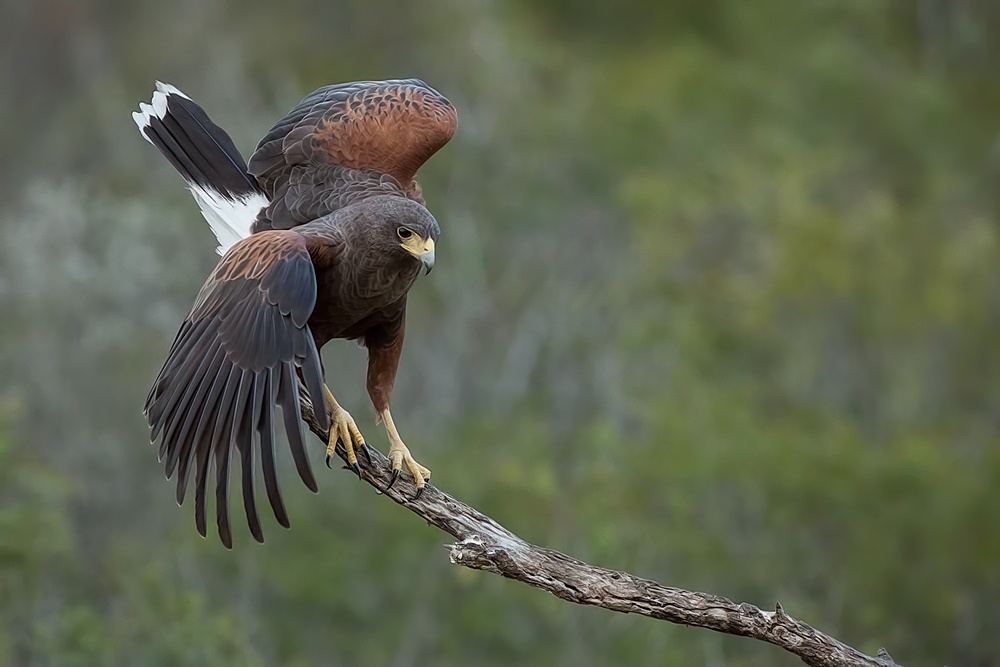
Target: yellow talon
column 343, row 429
column 400, row 454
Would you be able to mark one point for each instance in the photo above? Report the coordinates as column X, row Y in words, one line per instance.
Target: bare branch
column 486, row 545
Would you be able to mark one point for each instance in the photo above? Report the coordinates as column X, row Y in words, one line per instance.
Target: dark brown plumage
column 333, row 254
column 343, row 142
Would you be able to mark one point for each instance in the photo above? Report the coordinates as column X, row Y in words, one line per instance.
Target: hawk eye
column 404, row 233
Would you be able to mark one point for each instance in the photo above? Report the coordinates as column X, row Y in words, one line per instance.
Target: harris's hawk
column 322, row 235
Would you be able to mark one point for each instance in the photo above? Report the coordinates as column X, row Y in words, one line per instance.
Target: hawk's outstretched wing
column 236, row 356
column 347, row 142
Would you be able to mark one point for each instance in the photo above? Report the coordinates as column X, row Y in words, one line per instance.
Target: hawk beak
column 422, row 249
column 427, row 259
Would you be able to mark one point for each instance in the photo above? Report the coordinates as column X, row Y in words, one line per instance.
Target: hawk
column 322, row 235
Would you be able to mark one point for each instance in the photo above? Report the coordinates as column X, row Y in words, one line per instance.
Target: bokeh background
column 717, row 302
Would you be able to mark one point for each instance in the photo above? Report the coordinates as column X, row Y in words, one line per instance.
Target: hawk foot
column 400, row 454
column 344, row 431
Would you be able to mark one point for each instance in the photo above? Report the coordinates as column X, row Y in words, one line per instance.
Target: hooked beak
column 427, row 259
column 422, row 250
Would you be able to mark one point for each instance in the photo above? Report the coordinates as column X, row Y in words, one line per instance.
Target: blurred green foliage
column 718, row 303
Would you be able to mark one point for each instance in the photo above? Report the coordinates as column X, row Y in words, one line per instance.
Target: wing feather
column 207, row 444
column 288, row 398
column 173, row 380
column 245, row 444
column 186, row 452
column 236, row 357
column 223, row 457
column 346, row 142
column 235, row 431
column 207, row 379
column 177, row 409
column 187, row 410
column 267, row 450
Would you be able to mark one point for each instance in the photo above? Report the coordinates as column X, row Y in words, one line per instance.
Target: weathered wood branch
column 486, row 545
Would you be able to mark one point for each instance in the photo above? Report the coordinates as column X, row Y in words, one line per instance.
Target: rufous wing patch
column 392, row 129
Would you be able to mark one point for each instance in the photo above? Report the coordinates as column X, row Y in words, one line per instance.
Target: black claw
column 356, row 468
column 395, row 475
column 420, row 490
column 328, row 462
column 368, row 457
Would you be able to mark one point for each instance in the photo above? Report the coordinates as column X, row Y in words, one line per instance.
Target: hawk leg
column 344, row 430
column 399, row 454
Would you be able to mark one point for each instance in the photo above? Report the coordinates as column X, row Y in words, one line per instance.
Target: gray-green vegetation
column 717, row 303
